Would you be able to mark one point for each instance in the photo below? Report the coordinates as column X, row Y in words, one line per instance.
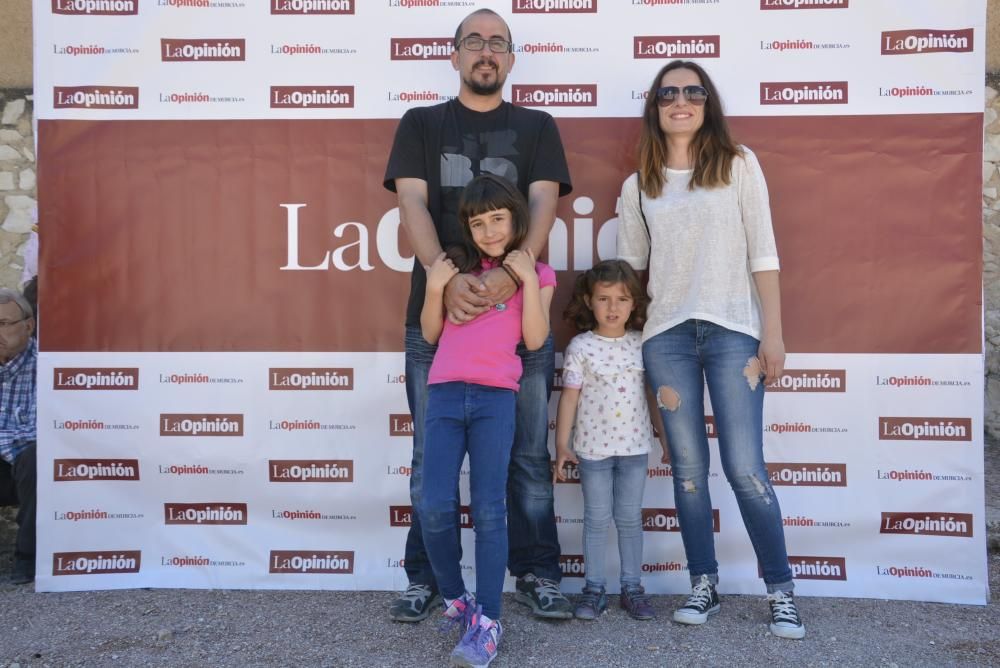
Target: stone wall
column 17, row 183
column 991, row 254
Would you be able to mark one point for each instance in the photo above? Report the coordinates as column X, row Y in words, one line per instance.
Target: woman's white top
column 706, row 243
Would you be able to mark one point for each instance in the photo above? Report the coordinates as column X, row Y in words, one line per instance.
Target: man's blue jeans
column 533, row 544
column 612, row 487
column 465, row 418
column 678, row 363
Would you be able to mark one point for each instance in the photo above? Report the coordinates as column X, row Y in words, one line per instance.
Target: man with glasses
column 436, row 152
column 18, row 356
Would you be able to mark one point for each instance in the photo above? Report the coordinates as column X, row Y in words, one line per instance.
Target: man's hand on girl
column 498, row 285
column 463, row 298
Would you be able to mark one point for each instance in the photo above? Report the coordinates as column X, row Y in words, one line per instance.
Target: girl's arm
column 432, row 314
column 565, row 419
column 771, row 352
column 537, row 301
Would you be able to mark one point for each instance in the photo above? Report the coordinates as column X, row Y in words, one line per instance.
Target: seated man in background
column 18, row 357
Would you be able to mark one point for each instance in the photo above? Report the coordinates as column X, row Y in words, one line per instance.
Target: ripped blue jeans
column 678, row 363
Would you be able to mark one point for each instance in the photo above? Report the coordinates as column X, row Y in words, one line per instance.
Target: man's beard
column 484, row 88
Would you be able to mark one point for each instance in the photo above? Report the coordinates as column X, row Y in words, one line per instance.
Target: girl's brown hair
column 579, row 314
column 488, row 192
column 712, row 150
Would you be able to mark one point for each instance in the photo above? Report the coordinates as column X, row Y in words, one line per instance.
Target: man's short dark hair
column 458, row 30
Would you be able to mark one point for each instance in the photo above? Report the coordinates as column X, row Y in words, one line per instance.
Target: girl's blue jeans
column 612, row 487
column 678, row 363
column 464, row 418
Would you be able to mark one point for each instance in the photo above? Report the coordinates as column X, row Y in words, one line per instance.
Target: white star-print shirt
column 612, row 417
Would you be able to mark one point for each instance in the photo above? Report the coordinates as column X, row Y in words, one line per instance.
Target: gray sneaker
column 415, row 604
column 542, row 595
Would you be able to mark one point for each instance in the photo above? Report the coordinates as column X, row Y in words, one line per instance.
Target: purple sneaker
column 636, row 603
column 478, row 647
column 459, row 613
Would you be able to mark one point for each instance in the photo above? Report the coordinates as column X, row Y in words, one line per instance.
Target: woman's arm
column 771, row 352
column 633, row 238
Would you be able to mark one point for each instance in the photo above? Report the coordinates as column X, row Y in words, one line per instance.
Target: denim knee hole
column 752, row 372
column 668, row 399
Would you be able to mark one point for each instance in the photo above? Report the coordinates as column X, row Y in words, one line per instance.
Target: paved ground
column 243, row 629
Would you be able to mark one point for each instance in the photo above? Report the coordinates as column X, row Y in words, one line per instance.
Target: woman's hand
column 771, row 355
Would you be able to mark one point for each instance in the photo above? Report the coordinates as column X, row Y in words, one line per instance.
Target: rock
column 164, row 634
column 989, row 169
column 27, row 179
column 991, row 193
column 991, row 94
column 9, row 153
column 12, row 112
column 6, row 181
column 991, row 148
column 10, row 136
column 29, row 154
column 20, row 215
column 989, row 116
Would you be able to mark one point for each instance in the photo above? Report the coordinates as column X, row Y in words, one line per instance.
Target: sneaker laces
column 701, row 595
column 465, row 615
column 547, row 588
column 783, row 608
column 415, row 592
column 478, row 635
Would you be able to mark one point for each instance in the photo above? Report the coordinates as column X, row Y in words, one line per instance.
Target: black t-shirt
column 447, row 145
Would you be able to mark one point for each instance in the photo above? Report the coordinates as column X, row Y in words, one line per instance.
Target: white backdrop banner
column 221, row 394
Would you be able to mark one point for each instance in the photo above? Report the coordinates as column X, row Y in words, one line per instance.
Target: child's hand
column 522, row 263
column 439, row 273
column 563, row 454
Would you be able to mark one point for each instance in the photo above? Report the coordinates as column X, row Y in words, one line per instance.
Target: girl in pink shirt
column 470, row 404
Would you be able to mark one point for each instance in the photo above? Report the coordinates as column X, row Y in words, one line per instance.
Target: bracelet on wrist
column 512, row 275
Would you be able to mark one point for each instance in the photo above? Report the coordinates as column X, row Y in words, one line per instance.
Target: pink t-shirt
column 484, row 351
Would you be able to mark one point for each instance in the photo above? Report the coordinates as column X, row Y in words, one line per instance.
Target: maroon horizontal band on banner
column 171, row 235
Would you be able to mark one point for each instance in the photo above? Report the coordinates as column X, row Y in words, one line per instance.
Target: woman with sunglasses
column 696, row 214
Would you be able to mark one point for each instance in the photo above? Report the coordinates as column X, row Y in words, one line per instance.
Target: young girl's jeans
column 678, row 363
column 479, row 420
column 612, row 487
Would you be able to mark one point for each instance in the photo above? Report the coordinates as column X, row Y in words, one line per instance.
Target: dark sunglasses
column 667, row 95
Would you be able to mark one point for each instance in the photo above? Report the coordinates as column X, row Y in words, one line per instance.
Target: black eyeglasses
column 667, row 95
column 476, row 43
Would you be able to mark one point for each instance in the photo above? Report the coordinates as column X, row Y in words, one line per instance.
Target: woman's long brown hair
column 712, row 150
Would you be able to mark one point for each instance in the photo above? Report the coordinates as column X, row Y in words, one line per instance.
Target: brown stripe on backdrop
column 169, row 235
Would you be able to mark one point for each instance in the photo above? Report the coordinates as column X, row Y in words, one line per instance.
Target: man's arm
column 416, row 219
column 543, row 196
column 460, row 296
